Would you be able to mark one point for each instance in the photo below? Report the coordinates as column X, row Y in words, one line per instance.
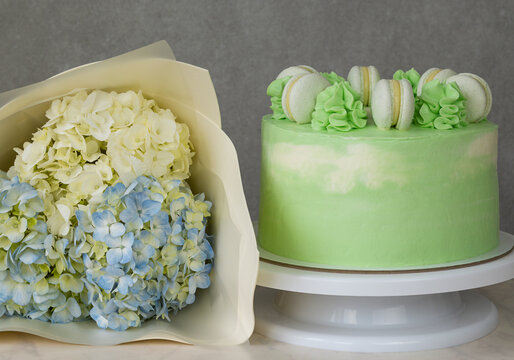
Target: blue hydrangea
column 120, row 249
column 139, row 209
column 32, row 261
column 140, row 252
column 106, row 227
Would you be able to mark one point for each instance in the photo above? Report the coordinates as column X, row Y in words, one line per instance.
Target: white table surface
column 497, row 345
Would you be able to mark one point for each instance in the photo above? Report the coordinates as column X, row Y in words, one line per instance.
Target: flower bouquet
column 105, row 231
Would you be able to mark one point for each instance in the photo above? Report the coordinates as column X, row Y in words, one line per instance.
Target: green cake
column 371, row 198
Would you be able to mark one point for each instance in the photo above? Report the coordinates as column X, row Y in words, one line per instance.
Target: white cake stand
column 378, row 312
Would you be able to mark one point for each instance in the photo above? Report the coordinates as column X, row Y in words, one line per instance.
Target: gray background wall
column 246, row 43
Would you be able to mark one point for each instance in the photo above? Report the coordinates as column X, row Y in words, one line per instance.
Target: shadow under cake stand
column 380, row 311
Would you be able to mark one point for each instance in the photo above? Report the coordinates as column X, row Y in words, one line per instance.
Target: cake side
column 374, row 198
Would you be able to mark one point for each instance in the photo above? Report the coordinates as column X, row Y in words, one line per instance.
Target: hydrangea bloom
column 139, row 252
column 96, row 219
column 141, row 270
column 94, row 140
column 33, row 281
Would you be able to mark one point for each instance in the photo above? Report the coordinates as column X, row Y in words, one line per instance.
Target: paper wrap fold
column 222, row 314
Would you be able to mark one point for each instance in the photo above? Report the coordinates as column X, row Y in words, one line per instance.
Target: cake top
column 373, row 132
column 438, row 99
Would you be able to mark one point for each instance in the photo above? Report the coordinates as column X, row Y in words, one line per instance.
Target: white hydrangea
column 93, row 140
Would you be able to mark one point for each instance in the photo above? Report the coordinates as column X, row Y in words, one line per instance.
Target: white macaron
column 431, row 74
column 299, row 96
column 363, row 79
column 296, row 70
column 477, row 93
column 392, row 104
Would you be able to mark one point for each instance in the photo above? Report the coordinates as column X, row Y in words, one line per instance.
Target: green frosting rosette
column 332, row 77
column 274, row 91
column 338, row 108
column 413, row 77
column 442, row 106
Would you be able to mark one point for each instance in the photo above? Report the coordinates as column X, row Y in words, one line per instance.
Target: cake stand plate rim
column 387, row 284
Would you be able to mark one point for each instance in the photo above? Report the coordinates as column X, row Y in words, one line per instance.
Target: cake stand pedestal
column 378, row 312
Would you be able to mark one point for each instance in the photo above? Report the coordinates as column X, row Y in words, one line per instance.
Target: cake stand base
column 379, row 312
column 374, row 324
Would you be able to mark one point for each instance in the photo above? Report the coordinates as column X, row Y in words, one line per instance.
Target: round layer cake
column 372, row 198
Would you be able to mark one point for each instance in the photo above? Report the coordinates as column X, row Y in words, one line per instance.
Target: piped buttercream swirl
column 332, row 77
column 274, row 91
column 338, row 107
column 442, row 106
column 411, row 75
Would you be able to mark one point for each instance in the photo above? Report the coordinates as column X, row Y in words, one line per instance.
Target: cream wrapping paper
column 223, row 313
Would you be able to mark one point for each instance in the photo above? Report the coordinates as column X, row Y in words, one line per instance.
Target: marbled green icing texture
column 377, row 198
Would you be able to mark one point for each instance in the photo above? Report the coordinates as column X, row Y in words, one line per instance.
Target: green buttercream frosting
column 442, row 106
column 412, row 75
column 332, row 77
column 338, row 108
column 274, row 91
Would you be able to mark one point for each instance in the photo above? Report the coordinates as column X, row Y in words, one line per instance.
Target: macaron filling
column 397, row 95
column 306, row 68
column 365, row 84
column 288, row 97
column 432, row 75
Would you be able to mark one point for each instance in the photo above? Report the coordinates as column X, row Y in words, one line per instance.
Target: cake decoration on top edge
column 477, row 94
column 451, row 102
column 433, row 74
column 392, row 104
column 338, row 107
column 363, row 79
column 299, row 96
column 442, row 106
column 424, row 193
